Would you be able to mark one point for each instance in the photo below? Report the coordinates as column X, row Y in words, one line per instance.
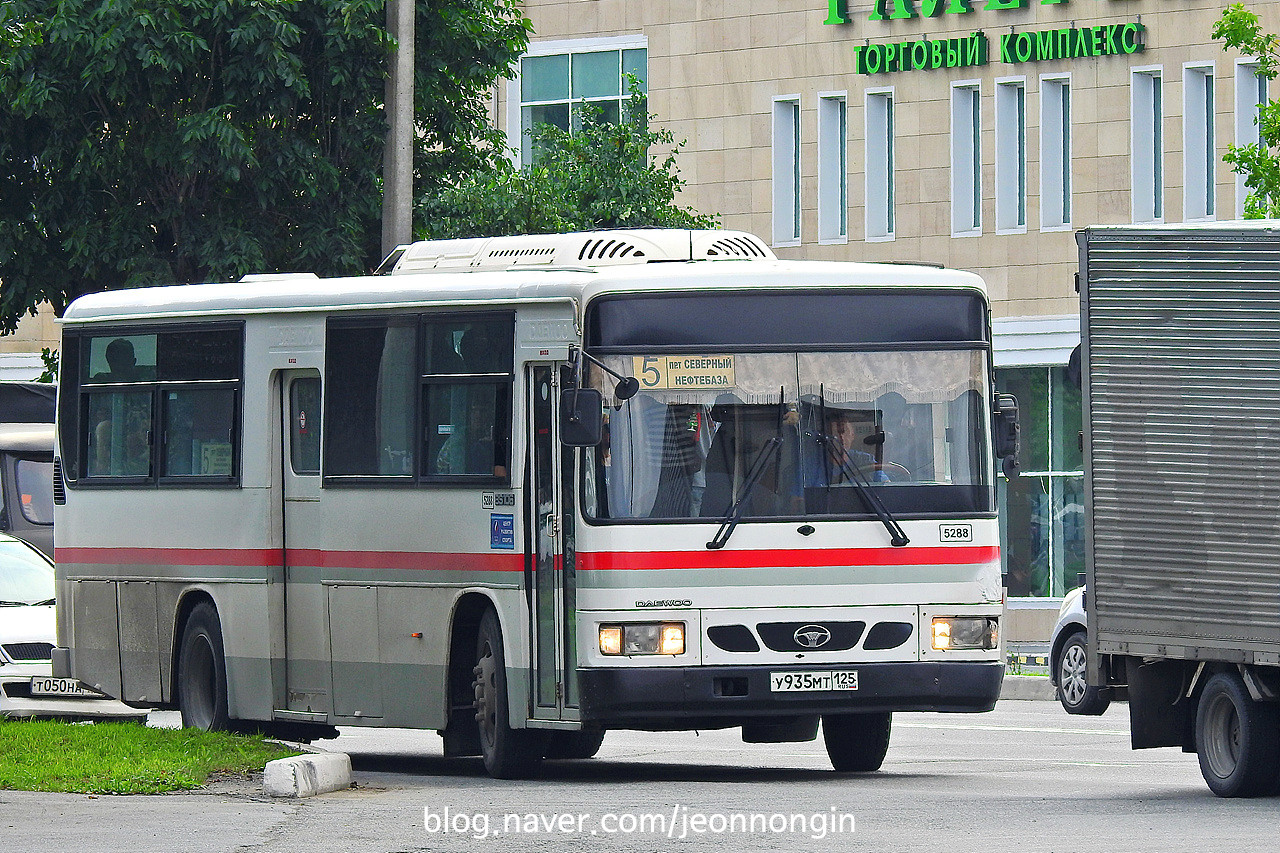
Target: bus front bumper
column 712, row 697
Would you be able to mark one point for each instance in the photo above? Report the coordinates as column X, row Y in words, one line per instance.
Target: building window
column 880, row 152
column 1147, row 122
column 1055, row 152
column 1042, row 528
column 786, row 170
column 1198, row 142
column 1011, row 155
column 553, row 85
column 1251, row 93
column 966, row 159
column 833, row 168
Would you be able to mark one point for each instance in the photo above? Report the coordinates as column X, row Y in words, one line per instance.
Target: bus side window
column 304, row 425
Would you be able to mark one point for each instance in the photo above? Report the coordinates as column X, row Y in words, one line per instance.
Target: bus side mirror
column 581, row 417
column 1005, row 432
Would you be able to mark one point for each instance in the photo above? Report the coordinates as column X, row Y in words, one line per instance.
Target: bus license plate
column 786, row 682
column 46, row 686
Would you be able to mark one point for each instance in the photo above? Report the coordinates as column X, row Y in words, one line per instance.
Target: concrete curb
column 1026, row 687
column 307, row 775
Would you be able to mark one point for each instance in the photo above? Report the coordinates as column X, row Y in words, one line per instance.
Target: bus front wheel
column 857, row 743
column 508, row 753
column 202, row 672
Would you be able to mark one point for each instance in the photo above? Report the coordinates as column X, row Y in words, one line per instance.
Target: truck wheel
column 1075, row 694
column 202, row 672
column 508, row 753
column 1238, row 739
column 574, row 745
column 857, row 743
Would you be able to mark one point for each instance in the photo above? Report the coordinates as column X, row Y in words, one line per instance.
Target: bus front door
column 551, row 513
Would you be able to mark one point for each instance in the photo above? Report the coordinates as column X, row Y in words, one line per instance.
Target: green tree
column 602, row 175
column 1258, row 162
column 159, row 141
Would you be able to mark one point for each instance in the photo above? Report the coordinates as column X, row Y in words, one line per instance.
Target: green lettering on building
column 837, row 12
column 1015, row 48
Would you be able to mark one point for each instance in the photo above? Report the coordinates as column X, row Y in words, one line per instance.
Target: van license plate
column 788, row 682
column 46, row 686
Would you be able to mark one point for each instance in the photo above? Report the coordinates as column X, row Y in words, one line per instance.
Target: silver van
column 26, row 462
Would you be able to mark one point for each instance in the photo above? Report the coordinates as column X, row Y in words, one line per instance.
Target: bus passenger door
column 550, row 510
column 307, row 671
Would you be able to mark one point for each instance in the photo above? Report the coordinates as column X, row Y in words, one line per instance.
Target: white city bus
column 423, row 498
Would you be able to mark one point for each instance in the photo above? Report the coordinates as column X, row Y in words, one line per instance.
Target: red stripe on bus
column 618, row 561
column 270, row 558
column 265, row 557
column 416, row 560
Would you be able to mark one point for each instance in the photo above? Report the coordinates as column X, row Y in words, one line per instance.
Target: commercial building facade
column 978, row 134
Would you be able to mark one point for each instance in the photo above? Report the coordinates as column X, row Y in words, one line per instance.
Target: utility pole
column 397, row 158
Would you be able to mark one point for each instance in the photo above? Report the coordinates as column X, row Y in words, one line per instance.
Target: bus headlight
column 965, row 632
column 651, row 638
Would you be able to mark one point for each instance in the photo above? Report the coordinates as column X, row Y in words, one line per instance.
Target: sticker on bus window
column 684, row 372
column 502, row 531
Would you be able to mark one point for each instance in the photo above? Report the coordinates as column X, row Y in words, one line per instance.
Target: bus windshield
column 910, row 423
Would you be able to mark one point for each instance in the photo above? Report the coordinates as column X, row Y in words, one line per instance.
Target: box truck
column 1180, row 357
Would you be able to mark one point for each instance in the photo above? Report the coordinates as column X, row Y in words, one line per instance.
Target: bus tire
column 202, row 672
column 574, row 745
column 1237, row 739
column 857, row 743
column 508, row 753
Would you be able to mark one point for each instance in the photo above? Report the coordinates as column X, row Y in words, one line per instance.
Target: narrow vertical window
column 1198, row 142
column 1147, row 122
column 879, row 172
column 833, row 168
column 1251, row 94
column 966, row 159
column 1055, row 152
column 1011, row 155
column 786, row 170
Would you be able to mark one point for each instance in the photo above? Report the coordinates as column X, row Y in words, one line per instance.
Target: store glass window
column 1042, row 526
column 553, row 88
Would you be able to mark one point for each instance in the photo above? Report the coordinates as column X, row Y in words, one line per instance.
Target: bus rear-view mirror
column 581, row 417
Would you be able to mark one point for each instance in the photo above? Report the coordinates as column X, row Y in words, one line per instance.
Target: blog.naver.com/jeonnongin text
column 675, row 823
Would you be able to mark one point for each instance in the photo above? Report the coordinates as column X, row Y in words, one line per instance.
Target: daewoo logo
column 812, row 636
column 666, row 602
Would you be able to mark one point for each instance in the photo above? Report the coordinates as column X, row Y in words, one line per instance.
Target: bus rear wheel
column 202, row 672
column 1237, row 739
column 508, row 753
column 857, row 743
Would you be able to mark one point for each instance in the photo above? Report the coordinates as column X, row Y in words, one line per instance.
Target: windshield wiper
column 897, row 536
column 734, row 515
column 15, row 604
column 44, row 603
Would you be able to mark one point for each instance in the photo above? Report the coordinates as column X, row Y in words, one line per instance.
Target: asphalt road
column 1023, row 778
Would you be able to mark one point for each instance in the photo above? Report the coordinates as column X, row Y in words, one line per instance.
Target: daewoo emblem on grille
column 812, row 636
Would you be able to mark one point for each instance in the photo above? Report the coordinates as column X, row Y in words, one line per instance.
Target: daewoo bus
column 523, row 490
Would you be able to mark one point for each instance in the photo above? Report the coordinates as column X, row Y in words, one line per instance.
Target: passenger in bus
column 471, row 447
column 680, row 461
column 122, row 364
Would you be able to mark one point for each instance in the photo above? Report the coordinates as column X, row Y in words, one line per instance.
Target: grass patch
column 122, row 758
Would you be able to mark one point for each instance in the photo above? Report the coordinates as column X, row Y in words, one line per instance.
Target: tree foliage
column 601, row 175
column 1258, row 162
column 160, row 141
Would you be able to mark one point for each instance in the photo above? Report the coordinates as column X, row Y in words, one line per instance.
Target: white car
column 27, row 685
column 1067, row 659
